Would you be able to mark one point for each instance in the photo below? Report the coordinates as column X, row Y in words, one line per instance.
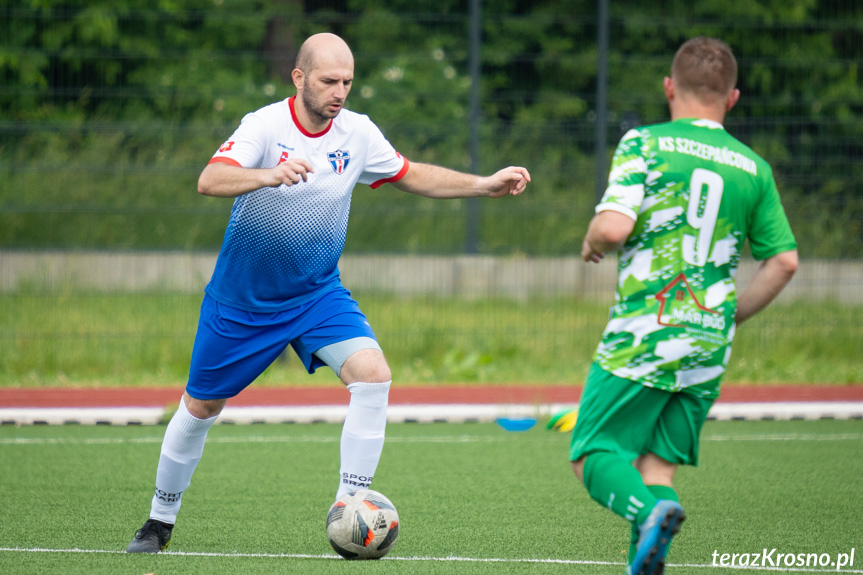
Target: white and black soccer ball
column 362, row 525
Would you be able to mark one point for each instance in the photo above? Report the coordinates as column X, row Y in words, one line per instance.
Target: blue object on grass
column 520, row 424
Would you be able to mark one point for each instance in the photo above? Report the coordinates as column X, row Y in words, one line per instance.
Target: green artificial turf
column 472, row 498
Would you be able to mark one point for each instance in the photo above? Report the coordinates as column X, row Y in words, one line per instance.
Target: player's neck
column 305, row 119
column 681, row 110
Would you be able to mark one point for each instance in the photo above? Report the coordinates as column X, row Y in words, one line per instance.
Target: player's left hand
column 509, row 181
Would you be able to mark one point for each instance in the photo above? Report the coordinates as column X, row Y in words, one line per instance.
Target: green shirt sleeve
column 770, row 232
column 625, row 190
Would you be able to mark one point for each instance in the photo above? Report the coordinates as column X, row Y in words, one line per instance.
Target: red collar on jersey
column 300, row 126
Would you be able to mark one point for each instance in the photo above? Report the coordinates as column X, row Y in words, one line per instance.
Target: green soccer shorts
column 621, row 416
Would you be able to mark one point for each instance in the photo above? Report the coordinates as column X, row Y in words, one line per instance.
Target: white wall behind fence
column 465, row 276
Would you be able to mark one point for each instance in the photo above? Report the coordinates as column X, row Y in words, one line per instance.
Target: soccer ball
column 362, row 525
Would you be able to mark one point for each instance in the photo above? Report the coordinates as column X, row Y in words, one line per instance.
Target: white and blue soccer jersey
column 283, row 244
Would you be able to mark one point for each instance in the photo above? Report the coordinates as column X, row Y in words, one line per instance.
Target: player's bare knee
column 382, row 374
column 655, row 470
column 367, row 365
column 377, row 373
column 204, row 408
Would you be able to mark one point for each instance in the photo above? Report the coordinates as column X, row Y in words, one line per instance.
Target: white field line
column 252, row 439
column 787, row 437
column 396, row 439
column 437, row 559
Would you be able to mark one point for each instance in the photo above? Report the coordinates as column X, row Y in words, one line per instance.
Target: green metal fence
column 109, row 110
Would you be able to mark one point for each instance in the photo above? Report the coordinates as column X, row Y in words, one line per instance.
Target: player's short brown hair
column 705, row 67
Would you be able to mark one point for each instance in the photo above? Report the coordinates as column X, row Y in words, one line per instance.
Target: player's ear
column 297, row 76
column 732, row 99
column 668, row 88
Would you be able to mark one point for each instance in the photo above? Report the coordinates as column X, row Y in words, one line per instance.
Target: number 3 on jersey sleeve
column 701, row 215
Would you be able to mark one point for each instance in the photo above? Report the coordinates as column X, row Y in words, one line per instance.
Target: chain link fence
column 109, row 113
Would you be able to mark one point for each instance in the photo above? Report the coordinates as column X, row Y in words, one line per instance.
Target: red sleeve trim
column 396, row 178
column 224, row 160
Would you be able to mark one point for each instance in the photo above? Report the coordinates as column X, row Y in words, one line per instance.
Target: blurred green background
column 109, row 111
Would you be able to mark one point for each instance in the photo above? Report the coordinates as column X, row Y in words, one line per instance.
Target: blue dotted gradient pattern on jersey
column 281, row 243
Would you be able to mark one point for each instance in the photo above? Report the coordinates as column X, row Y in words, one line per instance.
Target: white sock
column 181, row 451
column 363, row 435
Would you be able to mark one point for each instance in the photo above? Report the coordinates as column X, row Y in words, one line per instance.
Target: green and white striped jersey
column 696, row 194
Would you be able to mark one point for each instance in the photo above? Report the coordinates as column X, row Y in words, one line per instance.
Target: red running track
column 408, row 395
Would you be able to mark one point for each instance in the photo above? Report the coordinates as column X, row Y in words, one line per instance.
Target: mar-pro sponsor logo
column 339, row 160
column 678, row 305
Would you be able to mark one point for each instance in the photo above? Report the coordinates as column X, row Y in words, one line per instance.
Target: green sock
column 614, row 483
column 660, row 492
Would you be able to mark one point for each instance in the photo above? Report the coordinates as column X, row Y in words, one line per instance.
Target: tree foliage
column 123, row 102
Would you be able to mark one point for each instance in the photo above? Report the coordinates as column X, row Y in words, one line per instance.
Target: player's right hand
column 291, row 172
column 589, row 254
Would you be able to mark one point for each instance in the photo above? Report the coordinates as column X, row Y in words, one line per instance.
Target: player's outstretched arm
column 436, row 182
column 770, row 278
column 229, row 181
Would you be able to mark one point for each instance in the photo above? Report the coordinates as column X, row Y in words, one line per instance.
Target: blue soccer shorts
column 233, row 347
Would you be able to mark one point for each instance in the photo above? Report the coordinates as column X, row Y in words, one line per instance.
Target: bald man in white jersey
column 291, row 167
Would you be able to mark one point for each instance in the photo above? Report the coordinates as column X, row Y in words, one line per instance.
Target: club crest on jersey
column 339, row 160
